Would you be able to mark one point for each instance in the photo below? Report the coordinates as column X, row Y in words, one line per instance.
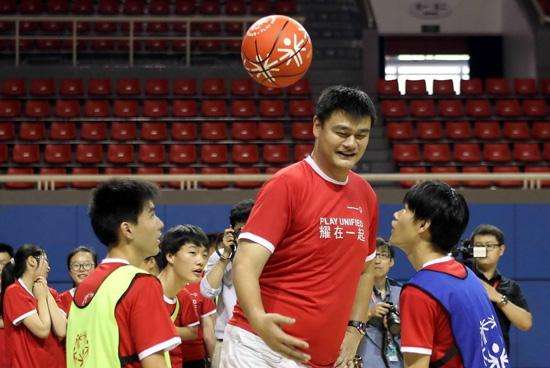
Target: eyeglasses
column 489, row 246
column 81, row 266
column 383, row 255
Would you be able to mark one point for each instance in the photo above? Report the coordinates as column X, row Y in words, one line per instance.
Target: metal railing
column 543, row 17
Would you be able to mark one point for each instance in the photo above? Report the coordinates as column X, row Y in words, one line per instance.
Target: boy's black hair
column 486, row 229
column 382, row 243
column 117, row 201
column 351, row 101
column 6, row 248
column 175, row 238
column 444, row 207
column 240, row 212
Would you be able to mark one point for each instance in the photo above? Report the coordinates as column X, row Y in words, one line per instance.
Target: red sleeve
column 188, row 314
column 66, row 300
column 18, row 304
column 373, row 229
column 270, row 216
column 419, row 314
column 58, row 299
column 208, row 307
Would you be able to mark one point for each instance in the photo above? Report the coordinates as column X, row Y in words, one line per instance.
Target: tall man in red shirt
column 302, row 268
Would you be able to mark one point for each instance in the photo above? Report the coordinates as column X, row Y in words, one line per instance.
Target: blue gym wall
column 60, row 228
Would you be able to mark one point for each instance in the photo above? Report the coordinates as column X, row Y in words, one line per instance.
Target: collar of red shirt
column 25, row 286
column 320, row 172
column 437, row 260
column 115, row 260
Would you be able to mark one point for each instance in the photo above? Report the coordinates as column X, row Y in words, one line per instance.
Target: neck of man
column 380, row 283
column 336, row 173
column 421, row 253
column 488, row 271
column 127, row 252
column 171, row 283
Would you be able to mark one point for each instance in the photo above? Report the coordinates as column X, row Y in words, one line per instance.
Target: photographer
column 380, row 346
column 510, row 305
column 218, row 278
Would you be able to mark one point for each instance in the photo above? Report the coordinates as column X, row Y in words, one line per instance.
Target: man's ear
column 126, row 230
column 502, row 249
column 317, row 126
column 392, row 262
column 170, row 258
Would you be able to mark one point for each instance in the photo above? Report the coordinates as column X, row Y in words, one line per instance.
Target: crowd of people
column 299, row 279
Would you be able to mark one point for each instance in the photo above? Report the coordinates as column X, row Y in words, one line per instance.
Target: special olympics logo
column 81, row 349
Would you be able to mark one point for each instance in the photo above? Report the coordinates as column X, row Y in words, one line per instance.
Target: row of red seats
column 493, row 86
column 153, row 7
column 471, row 152
column 157, row 108
column 74, row 87
column 153, row 153
column 476, row 170
column 460, row 130
column 140, row 170
column 456, row 108
column 154, row 131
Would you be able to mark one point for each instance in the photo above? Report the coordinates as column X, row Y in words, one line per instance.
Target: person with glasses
column 80, row 263
column 379, row 348
column 508, row 300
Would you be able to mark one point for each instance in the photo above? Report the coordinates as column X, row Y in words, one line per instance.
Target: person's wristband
column 359, row 326
column 503, row 301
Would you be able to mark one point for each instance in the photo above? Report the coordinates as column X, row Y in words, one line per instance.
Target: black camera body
column 466, row 253
column 393, row 320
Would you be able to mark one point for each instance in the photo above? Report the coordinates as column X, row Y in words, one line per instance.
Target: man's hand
column 379, row 310
column 268, row 327
column 348, row 349
column 228, row 241
column 494, row 295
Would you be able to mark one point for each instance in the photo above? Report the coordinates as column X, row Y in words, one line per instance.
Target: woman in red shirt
column 80, row 263
column 33, row 320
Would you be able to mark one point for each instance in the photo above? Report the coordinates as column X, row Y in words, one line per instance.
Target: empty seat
column 545, row 86
column 123, row 131
column 128, row 87
column 272, row 108
column 478, row 108
column 541, row 130
column 489, row 130
column 179, row 171
column 429, row 130
column 97, row 108
column 525, row 86
column 260, row 7
column 7, row 131
column 182, row 154
column 285, row 7
column 415, row 87
column 62, row 131
column 245, row 171
column 451, row 108
column 301, row 151
column 156, row 87
column 270, row 91
column 120, row 153
column 89, row 153
column 126, row 108
column 443, row 87
column 242, row 87
column 271, row 130
column 406, row 153
column 25, row 153
column 471, row 87
column 154, row 131
column 300, row 108
column 55, row 171
column 213, row 108
column 57, row 153
column 42, row 87
column 214, row 171
column 210, row 7
column 37, row 108
column 476, row 170
column 93, row 131
column 214, row 153
column 133, row 7
column 393, row 108
column 546, row 151
column 235, row 7
column 458, row 130
column 497, row 152
column 82, row 7
column 185, row 87
column 243, row 108
column 19, row 184
column 422, row 108
column 10, row 108
column 108, row 7
column 245, row 153
column 13, row 87
column 302, row 131
column 214, row 131
column 213, row 86
column 151, row 153
column 3, row 153
column 159, row 7
column 527, row 152
column 507, row 183
column 467, row 152
column 534, row 107
column 183, row 131
column 184, row 7
column 118, row 171
column 539, row 169
column 71, row 87
column 446, row 170
column 300, row 88
column 508, row 108
column 388, row 87
column 437, row 152
column 244, row 130
column 497, row 86
column 155, row 108
column 276, row 153
column 84, row 171
column 99, row 86
column 516, row 130
column 184, row 108
column 67, row 108
column 410, row 170
column 32, row 131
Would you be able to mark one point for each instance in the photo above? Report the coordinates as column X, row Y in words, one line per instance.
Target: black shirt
column 511, row 289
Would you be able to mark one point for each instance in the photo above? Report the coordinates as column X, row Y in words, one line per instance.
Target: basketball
column 276, row 51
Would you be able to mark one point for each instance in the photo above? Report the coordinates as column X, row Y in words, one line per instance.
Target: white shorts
column 243, row 349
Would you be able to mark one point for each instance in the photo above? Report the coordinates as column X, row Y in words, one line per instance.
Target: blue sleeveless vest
column 474, row 324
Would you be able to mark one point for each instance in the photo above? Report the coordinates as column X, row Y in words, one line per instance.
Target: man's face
column 5, row 258
column 494, row 250
column 342, row 140
column 147, row 232
column 80, row 266
column 404, row 228
column 189, row 261
column 382, row 262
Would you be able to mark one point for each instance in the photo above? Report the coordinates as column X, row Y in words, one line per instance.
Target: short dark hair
column 81, row 248
column 240, row 212
column 352, row 101
column 6, row 248
column 444, row 207
column 382, row 243
column 486, row 229
column 176, row 237
column 116, row 201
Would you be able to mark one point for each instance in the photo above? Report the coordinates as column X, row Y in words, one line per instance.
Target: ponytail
column 8, row 278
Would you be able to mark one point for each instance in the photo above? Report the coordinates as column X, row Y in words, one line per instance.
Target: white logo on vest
column 494, row 356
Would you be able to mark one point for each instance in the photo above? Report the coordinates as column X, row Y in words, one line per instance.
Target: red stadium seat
column 235, row 7
column 108, row 7
column 210, row 7
column 525, row 86
column 71, row 87
column 184, row 7
column 7, row 131
column 128, row 87
column 393, row 108
column 467, row 152
column 422, row 108
column 272, row 108
column 37, row 108
column 406, row 153
column 126, row 108
column 213, row 87
column 388, row 87
column 458, row 130
column 184, row 108
column 541, row 130
column 3, row 153
column 301, row 151
column 89, row 153
column 270, row 91
column 302, row 131
column 209, row 27
column 242, row 87
column 42, row 87
column 497, row 86
column 214, row 153
column 244, row 130
column 57, row 153
column 20, row 171
column 300, row 108
column 415, row 87
column 55, row 171
column 247, row 184
column 57, row 6
column 8, row 7
column 476, row 183
column 527, row 152
column 300, row 88
column 185, row 87
column 260, row 7
column 13, row 87
column 62, row 131
column 155, row 108
column 410, row 170
column 97, row 108
column 478, row 108
column 451, row 108
column 446, row 170
column 10, row 108
column 151, row 154
column 32, row 131
column 429, row 130
column 118, row 171
column 271, row 130
column 183, row 131
column 123, row 131
column 93, row 131
column 516, row 130
column 471, row 87
column 286, row 7
column 545, row 86
column 443, row 87
column 546, row 151
column 539, row 169
column 25, row 153
column 156, row 45
column 507, row 183
column 214, row 131
column 213, row 108
column 159, row 7
column 84, row 171
column 534, row 107
column 214, row 184
column 67, row 108
column 437, row 152
column 276, row 153
column 245, row 153
column 176, row 171
column 99, row 87
column 497, row 152
column 133, row 7
column 120, row 153
column 82, row 7
column 156, row 87
column 104, row 27
column 489, row 130
column 508, row 108
column 154, row 131
column 182, row 154
column 48, row 44
column 144, row 170
column 243, row 108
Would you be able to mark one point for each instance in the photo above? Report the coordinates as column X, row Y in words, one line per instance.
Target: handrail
column 543, row 17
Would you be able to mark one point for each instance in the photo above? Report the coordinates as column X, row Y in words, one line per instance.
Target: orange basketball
column 276, row 51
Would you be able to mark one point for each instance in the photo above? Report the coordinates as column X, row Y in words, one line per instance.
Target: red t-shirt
column 66, row 299
column 425, row 324
column 204, row 307
column 24, row 349
column 319, row 232
column 187, row 317
column 4, row 361
column 144, row 326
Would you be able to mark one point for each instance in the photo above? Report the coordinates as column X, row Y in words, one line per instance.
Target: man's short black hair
column 486, row 229
column 175, row 238
column 6, row 248
column 117, row 201
column 351, row 101
column 382, row 243
column 444, row 207
column 240, row 212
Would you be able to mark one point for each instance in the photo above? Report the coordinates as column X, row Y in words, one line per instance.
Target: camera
column 220, row 248
column 393, row 320
column 466, row 253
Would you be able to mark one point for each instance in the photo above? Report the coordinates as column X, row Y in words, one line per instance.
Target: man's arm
column 187, row 333
column 156, row 360
column 211, row 283
column 413, row 360
column 208, row 323
column 518, row 316
column 247, row 268
column 359, row 312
